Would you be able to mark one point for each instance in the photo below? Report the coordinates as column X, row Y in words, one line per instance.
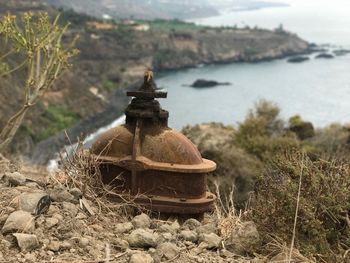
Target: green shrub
column 263, row 133
column 54, row 119
column 322, row 230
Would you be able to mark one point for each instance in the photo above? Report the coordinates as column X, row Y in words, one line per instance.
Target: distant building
column 100, row 26
column 142, row 27
column 106, row 17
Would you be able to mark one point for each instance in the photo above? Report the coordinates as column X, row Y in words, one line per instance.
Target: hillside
column 138, row 8
column 121, row 53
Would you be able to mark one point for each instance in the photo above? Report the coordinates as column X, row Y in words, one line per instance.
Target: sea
column 318, row 89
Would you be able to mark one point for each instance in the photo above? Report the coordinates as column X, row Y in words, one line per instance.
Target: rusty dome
column 144, row 159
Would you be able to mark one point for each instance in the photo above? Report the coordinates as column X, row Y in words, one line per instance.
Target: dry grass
column 81, row 170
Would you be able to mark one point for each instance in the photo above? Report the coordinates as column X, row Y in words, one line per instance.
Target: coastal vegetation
column 279, row 168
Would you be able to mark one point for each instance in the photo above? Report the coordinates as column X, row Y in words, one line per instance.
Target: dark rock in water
column 303, row 129
column 341, row 52
column 325, row 55
column 298, row 59
column 202, row 83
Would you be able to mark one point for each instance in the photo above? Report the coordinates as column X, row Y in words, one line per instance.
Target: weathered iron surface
column 153, row 165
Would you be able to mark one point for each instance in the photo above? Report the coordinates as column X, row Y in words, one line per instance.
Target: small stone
column 76, row 193
column 26, row 242
column 191, row 224
column 54, row 246
column 168, row 250
column 19, row 221
column 70, row 208
column 206, row 229
column 120, row 244
column 81, row 215
column 65, row 245
column 189, row 235
column 141, row 258
column 2, row 256
column 84, row 242
column 15, row 179
column 29, row 201
column 121, row 228
column 30, row 257
column 244, row 238
column 51, row 222
column 141, row 221
column 3, row 219
column 173, row 228
column 142, row 238
column 61, row 195
column 212, row 240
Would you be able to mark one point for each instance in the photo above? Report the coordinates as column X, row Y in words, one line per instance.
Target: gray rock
column 206, row 229
column 141, row 258
column 142, row 238
column 54, row 246
column 83, row 242
column 173, row 228
column 26, row 242
column 121, row 228
column 2, row 256
column 120, row 244
column 244, row 238
column 168, row 250
column 141, row 221
column 15, row 179
column 19, row 221
column 61, row 195
column 70, row 208
column 189, row 235
column 30, row 257
column 212, row 240
column 191, row 224
column 29, row 201
column 51, row 222
column 76, row 193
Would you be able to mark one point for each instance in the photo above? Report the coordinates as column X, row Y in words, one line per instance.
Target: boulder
column 168, row 250
column 19, row 221
column 15, row 179
column 29, row 201
column 203, row 83
column 51, row 222
column 244, row 238
column 191, row 224
column 141, row 221
column 141, row 257
column 298, row 59
column 212, row 240
column 142, row 238
column 324, row 55
column 26, row 242
column 189, row 235
column 61, row 195
column 121, row 228
column 76, row 193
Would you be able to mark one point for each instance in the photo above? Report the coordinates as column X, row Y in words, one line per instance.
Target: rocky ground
column 42, row 220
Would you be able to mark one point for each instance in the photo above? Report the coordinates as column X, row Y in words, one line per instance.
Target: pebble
column 191, row 224
column 26, row 242
column 121, row 228
column 189, row 235
column 15, row 179
column 141, row 221
column 19, row 221
column 168, row 250
column 142, row 238
column 212, row 240
column 141, row 258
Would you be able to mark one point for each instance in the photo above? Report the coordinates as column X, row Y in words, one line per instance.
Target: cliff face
column 113, row 59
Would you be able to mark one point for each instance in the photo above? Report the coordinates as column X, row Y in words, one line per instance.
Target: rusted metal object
column 150, row 163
